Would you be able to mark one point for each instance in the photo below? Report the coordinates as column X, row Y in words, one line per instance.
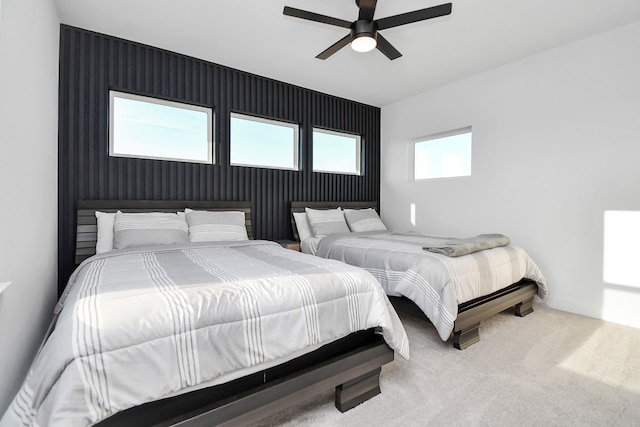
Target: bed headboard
column 87, row 224
column 298, row 206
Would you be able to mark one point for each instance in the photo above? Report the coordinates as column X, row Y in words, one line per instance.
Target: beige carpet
column 550, row 368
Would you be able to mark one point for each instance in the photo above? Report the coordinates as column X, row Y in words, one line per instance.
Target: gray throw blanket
column 452, row 246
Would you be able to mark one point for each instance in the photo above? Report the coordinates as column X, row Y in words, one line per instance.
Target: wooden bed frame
column 471, row 313
column 351, row 365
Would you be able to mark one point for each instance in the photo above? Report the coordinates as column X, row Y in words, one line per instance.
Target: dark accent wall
column 92, row 63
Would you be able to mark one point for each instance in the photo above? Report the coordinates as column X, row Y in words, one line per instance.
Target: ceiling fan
column 364, row 35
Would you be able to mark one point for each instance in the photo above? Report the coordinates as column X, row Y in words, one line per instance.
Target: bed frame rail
column 466, row 327
column 352, row 368
column 355, row 377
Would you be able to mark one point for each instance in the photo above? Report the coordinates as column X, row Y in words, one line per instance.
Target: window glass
column 443, row 156
column 263, row 143
column 336, row 152
column 151, row 128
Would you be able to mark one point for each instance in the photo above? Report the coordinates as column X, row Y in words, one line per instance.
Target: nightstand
column 289, row 244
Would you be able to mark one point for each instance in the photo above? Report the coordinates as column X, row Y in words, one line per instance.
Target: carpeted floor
column 550, row 368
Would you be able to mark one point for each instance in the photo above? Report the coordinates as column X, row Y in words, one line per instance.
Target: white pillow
column 302, row 225
column 206, row 226
column 364, row 220
column 104, row 241
column 326, row 221
column 132, row 230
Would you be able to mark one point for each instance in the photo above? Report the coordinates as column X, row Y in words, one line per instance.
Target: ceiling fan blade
column 316, row 17
column 415, row 16
column 335, row 47
column 385, row 47
column 367, row 9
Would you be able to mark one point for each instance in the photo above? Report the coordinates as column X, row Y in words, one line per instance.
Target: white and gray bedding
column 436, row 283
column 141, row 324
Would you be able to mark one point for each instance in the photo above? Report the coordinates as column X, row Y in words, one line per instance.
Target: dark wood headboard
column 298, row 206
column 87, row 224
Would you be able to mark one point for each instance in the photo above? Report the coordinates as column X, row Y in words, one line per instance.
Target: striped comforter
column 138, row 325
column 434, row 282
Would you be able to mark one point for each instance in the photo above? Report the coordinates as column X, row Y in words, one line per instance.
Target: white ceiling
column 254, row 36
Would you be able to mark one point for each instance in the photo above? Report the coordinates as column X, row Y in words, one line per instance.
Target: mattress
column 436, row 283
column 142, row 324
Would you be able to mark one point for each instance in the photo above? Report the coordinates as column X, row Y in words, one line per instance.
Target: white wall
column 28, row 182
column 556, row 143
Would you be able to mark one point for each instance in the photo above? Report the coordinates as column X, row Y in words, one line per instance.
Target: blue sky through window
column 443, row 157
column 335, row 152
column 157, row 129
column 263, row 143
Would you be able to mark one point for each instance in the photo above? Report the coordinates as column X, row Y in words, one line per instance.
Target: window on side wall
column 444, row 155
column 151, row 128
column 263, row 143
column 336, row 152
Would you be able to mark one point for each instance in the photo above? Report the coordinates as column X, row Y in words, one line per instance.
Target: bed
column 163, row 331
column 454, row 293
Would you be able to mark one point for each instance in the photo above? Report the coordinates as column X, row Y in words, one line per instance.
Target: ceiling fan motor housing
column 364, row 27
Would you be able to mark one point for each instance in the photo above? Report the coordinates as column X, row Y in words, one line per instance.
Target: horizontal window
column 336, row 152
column 151, row 128
column 263, row 143
column 443, row 156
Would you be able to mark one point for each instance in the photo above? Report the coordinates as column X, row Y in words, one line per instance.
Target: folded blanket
column 458, row 246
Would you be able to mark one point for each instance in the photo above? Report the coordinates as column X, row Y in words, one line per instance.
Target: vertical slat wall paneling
column 92, row 63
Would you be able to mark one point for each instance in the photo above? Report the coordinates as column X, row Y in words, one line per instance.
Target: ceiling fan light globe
column 363, row 43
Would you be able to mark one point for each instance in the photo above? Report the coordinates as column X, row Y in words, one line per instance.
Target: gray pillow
column 132, row 230
column 363, row 220
column 326, row 221
column 207, row 226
